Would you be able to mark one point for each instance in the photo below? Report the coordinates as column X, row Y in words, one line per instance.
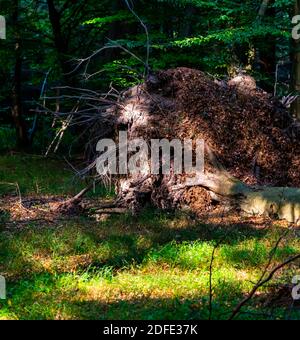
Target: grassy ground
column 155, row 266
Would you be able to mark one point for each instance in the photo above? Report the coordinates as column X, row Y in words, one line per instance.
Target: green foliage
column 233, row 36
column 215, row 36
column 100, row 22
column 123, row 73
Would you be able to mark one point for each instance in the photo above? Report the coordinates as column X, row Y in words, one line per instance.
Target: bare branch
column 130, row 7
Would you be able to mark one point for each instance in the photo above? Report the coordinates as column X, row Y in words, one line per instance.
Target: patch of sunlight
column 7, row 315
column 187, row 254
column 162, row 282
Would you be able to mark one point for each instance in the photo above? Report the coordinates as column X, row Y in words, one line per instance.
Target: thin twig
column 130, row 7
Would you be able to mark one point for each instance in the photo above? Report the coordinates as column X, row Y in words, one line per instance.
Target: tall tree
column 17, row 111
column 296, row 67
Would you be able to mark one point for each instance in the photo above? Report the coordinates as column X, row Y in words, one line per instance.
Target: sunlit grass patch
column 147, row 292
column 187, row 254
column 56, row 296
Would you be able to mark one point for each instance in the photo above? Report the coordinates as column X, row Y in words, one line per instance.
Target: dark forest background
column 47, row 39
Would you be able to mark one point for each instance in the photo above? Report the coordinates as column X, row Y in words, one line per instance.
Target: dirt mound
column 248, row 131
column 250, row 135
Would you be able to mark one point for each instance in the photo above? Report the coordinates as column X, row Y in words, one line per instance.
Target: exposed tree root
column 252, row 156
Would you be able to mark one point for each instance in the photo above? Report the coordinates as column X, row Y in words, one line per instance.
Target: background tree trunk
column 60, row 42
column 21, row 131
column 296, row 67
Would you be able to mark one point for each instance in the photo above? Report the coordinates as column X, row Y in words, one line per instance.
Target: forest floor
column 155, row 266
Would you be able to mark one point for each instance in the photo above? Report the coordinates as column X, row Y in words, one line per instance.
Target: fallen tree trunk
column 274, row 202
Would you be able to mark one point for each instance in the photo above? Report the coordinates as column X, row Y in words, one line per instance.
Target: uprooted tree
column 252, row 153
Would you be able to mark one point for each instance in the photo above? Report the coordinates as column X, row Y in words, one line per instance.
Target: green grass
column 40, row 175
column 155, row 266
column 35, row 175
